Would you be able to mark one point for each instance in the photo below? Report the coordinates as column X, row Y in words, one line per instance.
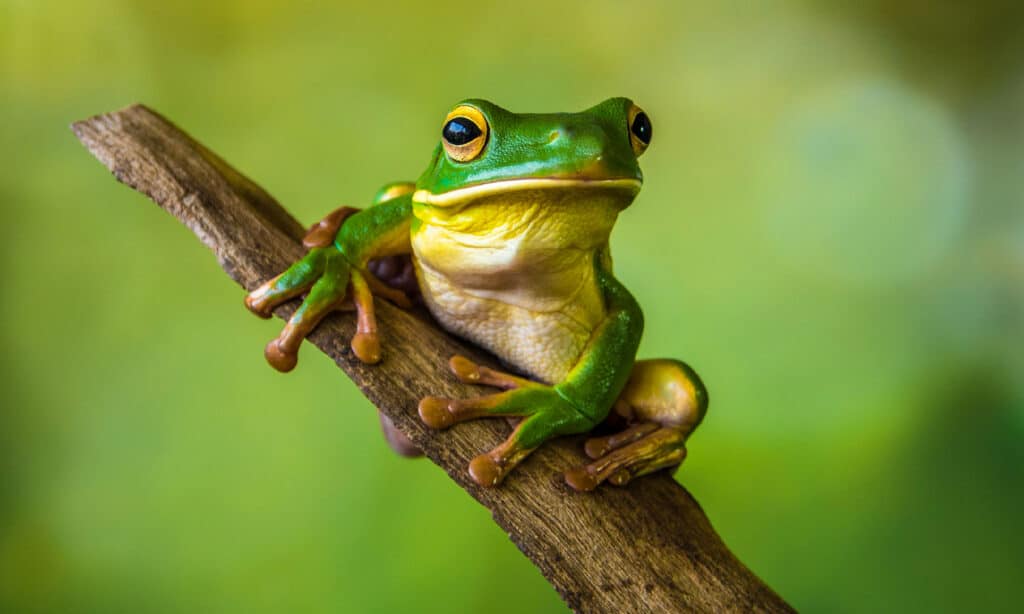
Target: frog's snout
column 578, row 138
column 568, row 134
column 589, row 151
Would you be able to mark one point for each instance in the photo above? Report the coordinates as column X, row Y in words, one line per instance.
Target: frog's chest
column 526, row 292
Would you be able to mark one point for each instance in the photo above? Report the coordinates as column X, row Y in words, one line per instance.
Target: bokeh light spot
column 866, row 182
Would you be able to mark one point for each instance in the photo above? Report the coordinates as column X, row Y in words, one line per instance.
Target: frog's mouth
column 460, row 196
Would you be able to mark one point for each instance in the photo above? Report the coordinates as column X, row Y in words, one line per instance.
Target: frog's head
column 486, row 150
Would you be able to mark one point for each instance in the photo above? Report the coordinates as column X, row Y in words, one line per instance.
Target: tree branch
column 646, row 546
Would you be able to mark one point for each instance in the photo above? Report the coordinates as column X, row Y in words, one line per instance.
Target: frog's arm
column 596, row 380
column 574, row 405
column 327, row 272
column 381, row 230
column 324, row 232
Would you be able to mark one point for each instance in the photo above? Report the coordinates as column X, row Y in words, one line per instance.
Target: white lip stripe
column 427, row 197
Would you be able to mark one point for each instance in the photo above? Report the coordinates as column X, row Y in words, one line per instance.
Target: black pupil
column 641, row 128
column 460, row 131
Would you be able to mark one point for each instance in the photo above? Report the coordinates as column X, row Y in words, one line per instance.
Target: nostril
column 561, row 132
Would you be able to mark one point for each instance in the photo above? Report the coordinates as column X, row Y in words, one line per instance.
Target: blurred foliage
column 832, row 232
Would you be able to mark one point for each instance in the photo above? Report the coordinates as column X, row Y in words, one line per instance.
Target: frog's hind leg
column 660, row 448
column 664, row 401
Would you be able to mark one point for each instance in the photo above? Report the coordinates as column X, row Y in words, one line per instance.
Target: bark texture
column 644, row 547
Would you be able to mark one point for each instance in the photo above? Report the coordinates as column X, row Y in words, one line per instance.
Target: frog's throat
column 473, row 192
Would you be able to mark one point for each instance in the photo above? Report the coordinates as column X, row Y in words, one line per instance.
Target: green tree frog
column 508, row 230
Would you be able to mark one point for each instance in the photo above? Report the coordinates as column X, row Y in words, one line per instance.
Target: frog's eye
column 464, row 133
column 639, row 129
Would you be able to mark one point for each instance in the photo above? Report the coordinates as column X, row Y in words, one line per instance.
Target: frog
column 507, row 233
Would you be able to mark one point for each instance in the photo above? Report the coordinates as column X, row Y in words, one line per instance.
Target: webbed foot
column 663, row 401
column 637, row 451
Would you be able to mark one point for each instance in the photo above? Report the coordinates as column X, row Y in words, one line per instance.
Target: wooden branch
column 646, row 546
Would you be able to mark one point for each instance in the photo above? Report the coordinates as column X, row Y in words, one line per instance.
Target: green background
column 831, row 232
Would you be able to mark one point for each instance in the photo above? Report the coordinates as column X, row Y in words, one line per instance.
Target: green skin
column 584, row 399
column 593, row 152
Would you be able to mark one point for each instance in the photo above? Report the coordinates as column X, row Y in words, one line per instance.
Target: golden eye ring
column 464, row 133
column 640, row 129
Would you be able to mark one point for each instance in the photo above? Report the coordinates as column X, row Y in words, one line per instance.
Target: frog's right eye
column 464, row 133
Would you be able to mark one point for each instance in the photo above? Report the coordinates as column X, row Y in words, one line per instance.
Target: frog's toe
column 263, row 300
column 581, row 479
column 366, row 342
column 490, row 468
column 256, row 304
column 636, row 452
column 440, row 413
column 465, row 369
column 366, row 347
column 596, row 447
column 299, row 278
column 469, row 372
column 282, row 359
column 486, row 471
column 434, row 413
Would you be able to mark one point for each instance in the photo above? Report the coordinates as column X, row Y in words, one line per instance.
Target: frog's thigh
column 664, row 400
column 665, row 391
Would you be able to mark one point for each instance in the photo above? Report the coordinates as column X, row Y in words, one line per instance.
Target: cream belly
column 519, row 283
column 543, row 342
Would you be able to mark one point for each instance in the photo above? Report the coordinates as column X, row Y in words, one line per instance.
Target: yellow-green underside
column 513, row 271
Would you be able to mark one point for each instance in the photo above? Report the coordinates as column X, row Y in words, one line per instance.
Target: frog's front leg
column 572, row 406
column 663, row 401
column 544, row 412
column 328, row 272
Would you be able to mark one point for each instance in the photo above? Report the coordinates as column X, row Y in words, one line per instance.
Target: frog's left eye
column 639, row 129
column 464, row 133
